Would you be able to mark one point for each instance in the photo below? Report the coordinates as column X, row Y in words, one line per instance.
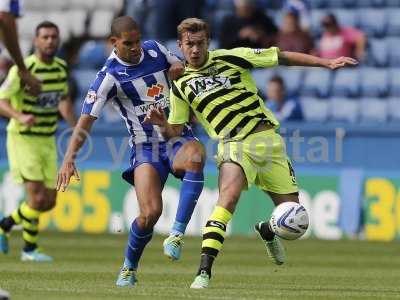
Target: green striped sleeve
column 179, row 109
column 248, row 58
column 11, row 85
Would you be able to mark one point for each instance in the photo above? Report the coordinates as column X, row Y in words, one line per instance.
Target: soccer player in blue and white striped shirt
column 135, row 79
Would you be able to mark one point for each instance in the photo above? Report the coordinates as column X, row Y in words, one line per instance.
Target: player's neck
column 44, row 58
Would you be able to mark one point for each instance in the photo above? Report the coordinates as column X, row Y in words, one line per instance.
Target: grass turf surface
column 86, row 266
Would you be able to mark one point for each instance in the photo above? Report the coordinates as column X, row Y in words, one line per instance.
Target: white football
column 289, row 220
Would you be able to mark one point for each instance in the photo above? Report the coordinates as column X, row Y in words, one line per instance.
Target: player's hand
column 341, row 62
column 33, row 86
column 156, row 116
column 67, row 170
column 27, row 119
column 176, row 70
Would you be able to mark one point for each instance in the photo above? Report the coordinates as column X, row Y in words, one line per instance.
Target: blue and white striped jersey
column 133, row 89
column 13, row 7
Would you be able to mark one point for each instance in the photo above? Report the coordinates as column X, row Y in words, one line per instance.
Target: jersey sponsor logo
column 152, row 53
column 91, row 97
column 155, row 90
column 201, row 85
column 48, row 99
column 144, row 108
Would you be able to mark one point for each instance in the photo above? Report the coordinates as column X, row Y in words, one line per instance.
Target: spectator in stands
column 292, row 38
column 169, row 13
column 285, row 108
column 249, row 27
column 341, row 41
column 302, row 9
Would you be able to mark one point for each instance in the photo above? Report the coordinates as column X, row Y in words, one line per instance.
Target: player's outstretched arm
column 8, row 30
column 78, row 138
column 287, row 58
column 156, row 116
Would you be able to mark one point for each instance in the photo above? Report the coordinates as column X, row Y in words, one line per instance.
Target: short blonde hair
column 193, row 25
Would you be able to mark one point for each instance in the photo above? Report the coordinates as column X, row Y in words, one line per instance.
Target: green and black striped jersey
column 222, row 93
column 45, row 106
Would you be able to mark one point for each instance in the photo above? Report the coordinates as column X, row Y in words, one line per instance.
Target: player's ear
column 113, row 40
column 179, row 42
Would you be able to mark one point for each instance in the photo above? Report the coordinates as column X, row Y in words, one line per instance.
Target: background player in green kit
column 218, row 87
column 31, row 144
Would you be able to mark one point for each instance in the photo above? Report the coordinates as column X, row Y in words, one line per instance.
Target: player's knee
column 148, row 219
column 194, row 158
column 40, row 201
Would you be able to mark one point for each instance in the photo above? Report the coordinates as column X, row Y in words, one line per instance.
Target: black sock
column 206, row 263
column 29, row 247
column 266, row 232
column 7, row 223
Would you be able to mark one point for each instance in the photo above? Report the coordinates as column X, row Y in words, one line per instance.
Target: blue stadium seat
column 374, row 110
column 173, row 47
column 344, row 109
column 320, row 4
column 394, row 109
column 373, row 21
column 92, row 55
column 371, row 3
column 293, row 78
column 374, row 82
column 394, row 53
column 393, row 3
column 315, row 21
column 261, row 77
column 315, row 109
column 344, row 3
column 346, row 17
column 317, row 83
column 346, row 83
column 378, row 52
column 84, row 79
column 394, row 82
column 393, row 15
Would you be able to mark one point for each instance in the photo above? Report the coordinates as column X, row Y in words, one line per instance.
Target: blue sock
column 137, row 241
column 192, row 185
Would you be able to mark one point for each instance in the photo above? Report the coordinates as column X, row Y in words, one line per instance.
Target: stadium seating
column 261, row 77
column 346, row 17
column 394, row 109
column 292, row 78
column 83, row 78
column 315, row 109
column 393, row 26
column 374, row 110
column 346, row 83
column 374, row 82
column 92, row 55
column 394, row 83
column 317, row 83
column 100, row 21
column 394, row 53
column 344, row 109
column 378, row 52
column 373, row 21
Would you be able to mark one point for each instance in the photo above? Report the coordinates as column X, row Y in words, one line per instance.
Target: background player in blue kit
column 134, row 79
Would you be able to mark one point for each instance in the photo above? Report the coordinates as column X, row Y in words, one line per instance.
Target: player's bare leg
column 188, row 163
column 148, row 191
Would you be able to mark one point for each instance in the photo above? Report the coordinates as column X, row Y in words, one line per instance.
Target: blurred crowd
column 292, row 25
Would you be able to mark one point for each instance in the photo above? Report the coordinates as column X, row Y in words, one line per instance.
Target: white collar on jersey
column 114, row 55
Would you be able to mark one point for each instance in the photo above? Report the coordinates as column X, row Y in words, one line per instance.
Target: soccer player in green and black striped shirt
column 218, row 88
column 31, row 145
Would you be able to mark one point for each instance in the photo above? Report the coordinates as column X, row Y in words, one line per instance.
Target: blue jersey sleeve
column 102, row 90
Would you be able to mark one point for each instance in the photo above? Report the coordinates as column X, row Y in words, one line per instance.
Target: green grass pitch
column 86, row 266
